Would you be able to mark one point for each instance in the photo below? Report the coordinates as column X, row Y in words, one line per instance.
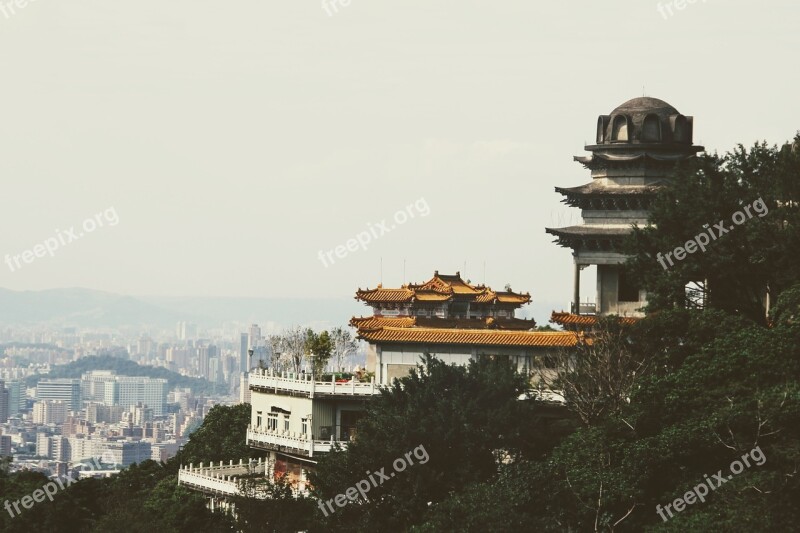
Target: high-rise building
column 243, row 362
column 109, row 389
column 66, row 390
column 204, row 356
column 3, row 403
column 186, row 331
column 125, row 453
column 98, row 412
column 151, row 392
column 16, row 397
column 244, row 389
column 93, row 385
column 142, row 414
column 49, row 412
column 254, row 336
column 5, row 445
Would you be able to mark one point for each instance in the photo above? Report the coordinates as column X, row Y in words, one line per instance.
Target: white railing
column 290, row 382
column 285, row 441
column 220, row 479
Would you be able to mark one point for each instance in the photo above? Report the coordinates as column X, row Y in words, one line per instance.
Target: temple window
column 620, row 130
column 651, row 129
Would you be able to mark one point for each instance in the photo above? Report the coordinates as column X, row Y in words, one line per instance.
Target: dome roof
column 644, row 120
column 645, row 105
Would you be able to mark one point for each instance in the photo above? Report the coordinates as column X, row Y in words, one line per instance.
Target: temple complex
column 443, row 296
column 453, row 320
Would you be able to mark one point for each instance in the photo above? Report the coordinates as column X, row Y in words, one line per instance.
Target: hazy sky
column 232, row 141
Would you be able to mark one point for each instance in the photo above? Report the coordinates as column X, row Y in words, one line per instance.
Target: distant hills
column 79, row 307
column 123, row 367
column 90, row 308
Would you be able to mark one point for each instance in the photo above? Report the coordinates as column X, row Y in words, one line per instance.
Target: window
column 272, row 421
column 681, row 134
column 286, row 423
column 601, row 130
column 304, row 426
column 258, row 419
column 651, row 129
column 620, row 130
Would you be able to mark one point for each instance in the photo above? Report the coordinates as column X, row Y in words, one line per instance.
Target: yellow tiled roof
column 568, row 319
column 441, row 288
column 377, row 322
column 478, row 337
column 385, row 295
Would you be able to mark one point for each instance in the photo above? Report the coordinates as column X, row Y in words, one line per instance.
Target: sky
column 224, row 148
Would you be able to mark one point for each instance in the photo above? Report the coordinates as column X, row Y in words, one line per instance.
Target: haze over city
column 236, row 142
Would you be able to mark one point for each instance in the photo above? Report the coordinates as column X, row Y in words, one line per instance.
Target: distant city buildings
column 60, row 424
column 50, row 412
column 107, row 388
column 5, row 446
column 244, row 390
column 16, row 397
column 186, row 331
column 66, row 390
column 4, row 401
column 243, row 358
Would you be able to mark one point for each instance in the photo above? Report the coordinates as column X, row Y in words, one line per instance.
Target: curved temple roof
column 442, row 288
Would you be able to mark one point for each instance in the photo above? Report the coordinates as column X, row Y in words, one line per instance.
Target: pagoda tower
column 637, row 147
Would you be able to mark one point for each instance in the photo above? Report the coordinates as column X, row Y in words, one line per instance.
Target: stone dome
column 644, row 120
column 645, row 105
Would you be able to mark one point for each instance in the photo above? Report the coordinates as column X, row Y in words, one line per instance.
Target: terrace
column 287, row 442
column 267, row 380
column 220, row 480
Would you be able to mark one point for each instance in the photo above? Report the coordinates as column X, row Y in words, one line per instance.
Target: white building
column 125, row 391
column 67, row 390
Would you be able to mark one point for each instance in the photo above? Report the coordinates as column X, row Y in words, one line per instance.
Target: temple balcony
column 220, row 480
column 586, row 308
column 290, row 443
column 268, row 381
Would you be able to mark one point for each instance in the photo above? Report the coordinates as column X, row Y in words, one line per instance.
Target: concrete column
column 576, row 297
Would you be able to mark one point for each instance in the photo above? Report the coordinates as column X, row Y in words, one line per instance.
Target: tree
column 736, row 268
column 599, row 375
column 270, row 505
column 719, row 385
column 293, row 348
column 320, row 346
column 465, row 418
column 344, row 345
column 220, row 437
